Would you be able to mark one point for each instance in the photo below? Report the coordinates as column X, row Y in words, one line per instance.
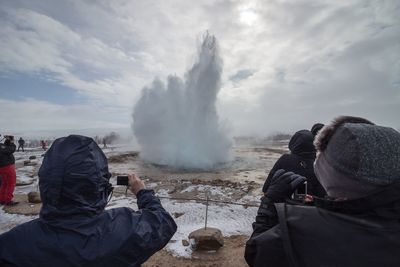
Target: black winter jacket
column 355, row 233
column 73, row 228
column 6, row 154
column 300, row 161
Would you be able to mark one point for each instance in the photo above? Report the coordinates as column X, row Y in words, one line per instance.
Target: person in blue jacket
column 73, row 228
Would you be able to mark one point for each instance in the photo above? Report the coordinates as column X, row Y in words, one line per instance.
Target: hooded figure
column 316, row 128
column 358, row 164
column 300, row 161
column 73, row 228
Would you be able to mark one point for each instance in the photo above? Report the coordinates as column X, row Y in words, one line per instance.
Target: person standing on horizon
column 43, row 144
column 21, row 143
column 104, row 142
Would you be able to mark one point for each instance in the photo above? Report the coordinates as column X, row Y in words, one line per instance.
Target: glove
column 283, row 185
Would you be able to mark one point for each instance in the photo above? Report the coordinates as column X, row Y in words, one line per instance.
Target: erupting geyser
column 177, row 124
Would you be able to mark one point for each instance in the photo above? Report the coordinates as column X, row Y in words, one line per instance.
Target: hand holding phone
column 134, row 183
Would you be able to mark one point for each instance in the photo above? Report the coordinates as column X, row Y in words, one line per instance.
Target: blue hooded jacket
column 73, row 228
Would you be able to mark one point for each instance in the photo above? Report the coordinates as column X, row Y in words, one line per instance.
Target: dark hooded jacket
column 6, row 153
column 362, row 232
column 73, row 228
column 300, row 161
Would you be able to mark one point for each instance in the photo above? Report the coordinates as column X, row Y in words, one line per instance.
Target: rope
column 209, row 200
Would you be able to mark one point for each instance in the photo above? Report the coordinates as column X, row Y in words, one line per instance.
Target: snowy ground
column 239, row 182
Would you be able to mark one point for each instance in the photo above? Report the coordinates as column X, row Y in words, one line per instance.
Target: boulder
column 32, row 157
column 207, row 239
column 23, row 182
column 34, row 197
column 30, row 163
column 178, row 214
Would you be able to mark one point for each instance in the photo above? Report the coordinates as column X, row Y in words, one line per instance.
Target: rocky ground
column 182, row 193
column 231, row 255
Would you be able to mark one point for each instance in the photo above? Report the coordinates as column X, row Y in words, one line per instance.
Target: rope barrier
column 205, row 200
column 210, row 200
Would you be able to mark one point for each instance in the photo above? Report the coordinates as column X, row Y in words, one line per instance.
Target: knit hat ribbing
column 365, row 152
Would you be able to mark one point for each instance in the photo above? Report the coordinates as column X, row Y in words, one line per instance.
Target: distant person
column 358, row 163
column 104, row 143
column 7, row 171
column 43, row 144
column 21, row 143
column 300, row 160
column 316, row 128
column 73, row 228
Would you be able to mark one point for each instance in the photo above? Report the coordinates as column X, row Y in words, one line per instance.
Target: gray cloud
column 314, row 59
column 242, row 75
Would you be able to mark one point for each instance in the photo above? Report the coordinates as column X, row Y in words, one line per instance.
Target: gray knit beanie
column 359, row 150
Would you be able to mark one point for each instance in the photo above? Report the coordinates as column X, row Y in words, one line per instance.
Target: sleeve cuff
column 143, row 191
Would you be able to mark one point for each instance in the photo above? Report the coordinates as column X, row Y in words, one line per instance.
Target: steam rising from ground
column 177, row 124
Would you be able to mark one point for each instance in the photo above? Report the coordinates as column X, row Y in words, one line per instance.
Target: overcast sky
column 287, row 64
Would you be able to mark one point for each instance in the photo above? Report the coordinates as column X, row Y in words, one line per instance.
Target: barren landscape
column 234, row 189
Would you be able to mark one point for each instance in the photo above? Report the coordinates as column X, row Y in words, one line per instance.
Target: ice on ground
column 213, row 190
column 9, row 221
column 230, row 219
column 189, row 215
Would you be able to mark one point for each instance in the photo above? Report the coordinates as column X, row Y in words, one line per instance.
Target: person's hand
column 135, row 184
column 283, row 185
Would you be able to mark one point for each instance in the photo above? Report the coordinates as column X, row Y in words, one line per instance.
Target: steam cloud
column 177, row 124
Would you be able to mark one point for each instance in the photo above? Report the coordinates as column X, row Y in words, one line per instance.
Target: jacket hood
column 302, row 142
column 73, row 179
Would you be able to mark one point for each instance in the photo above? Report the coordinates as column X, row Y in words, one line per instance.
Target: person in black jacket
column 21, row 143
column 358, row 163
column 8, row 176
column 74, row 229
column 300, row 161
column 316, row 128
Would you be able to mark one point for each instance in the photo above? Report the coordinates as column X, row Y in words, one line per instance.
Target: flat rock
column 178, row 214
column 23, row 207
column 34, row 197
column 31, row 163
column 207, row 239
column 23, row 182
column 185, row 243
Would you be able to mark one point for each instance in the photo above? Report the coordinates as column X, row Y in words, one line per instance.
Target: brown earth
column 121, row 158
column 23, row 207
column 230, row 255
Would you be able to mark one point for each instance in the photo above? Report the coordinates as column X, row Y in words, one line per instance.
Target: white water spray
column 177, row 124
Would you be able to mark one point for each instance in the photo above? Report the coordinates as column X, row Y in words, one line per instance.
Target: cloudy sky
column 69, row 65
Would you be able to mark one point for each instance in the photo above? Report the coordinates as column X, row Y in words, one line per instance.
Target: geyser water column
column 177, row 124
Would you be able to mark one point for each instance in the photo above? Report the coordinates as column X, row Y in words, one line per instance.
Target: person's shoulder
column 270, row 238
column 287, row 159
column 295, row 210
column 120, row 211
column 21, row 230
